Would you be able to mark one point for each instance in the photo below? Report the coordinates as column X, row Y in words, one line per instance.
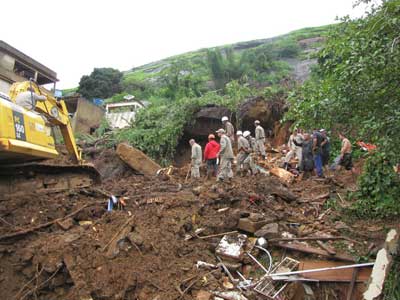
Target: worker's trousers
column 225, row 168
column 260, row 147
column 195, row 170
column 318, row 164
column 296, row 151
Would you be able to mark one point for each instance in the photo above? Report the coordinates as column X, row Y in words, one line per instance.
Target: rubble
column 137, row 160
column 68, row 246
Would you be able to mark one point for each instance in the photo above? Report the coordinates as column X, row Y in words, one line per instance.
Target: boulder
column 269, row 231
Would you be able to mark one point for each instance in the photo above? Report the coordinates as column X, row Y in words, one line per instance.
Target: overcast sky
column 72, row 37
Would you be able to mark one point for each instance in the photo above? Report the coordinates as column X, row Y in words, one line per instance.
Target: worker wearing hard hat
column 260, row 139
column 226, row 156
column 229, row 129
column 243, row 151
column 196, row 159
column 249, row 162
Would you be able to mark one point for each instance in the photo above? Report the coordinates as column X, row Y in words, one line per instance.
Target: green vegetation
column 101, row 83
column 355, row 89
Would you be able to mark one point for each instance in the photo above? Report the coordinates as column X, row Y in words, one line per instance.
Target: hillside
column 258, row 63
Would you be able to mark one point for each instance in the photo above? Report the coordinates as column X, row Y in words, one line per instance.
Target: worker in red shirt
column 210, row 156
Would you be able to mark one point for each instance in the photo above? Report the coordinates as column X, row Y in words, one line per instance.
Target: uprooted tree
column 355, row 88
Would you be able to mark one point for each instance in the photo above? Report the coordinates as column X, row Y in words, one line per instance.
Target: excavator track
column 42, row 178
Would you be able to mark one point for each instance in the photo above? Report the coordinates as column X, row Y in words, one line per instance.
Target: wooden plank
column 282, row 174
column 327, row 248
column 316, row 251
column 344, row 275
column 137, row 160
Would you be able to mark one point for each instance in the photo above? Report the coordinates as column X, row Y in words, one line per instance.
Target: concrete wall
column 87, row 116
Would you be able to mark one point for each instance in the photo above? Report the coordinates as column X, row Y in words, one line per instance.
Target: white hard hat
column 220, row 130
column 257, row 121
column 224, row 118
column 246, row 133
column 239, row 132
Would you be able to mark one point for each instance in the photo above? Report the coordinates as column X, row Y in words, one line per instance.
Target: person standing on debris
column 307, row 162
column 196, row 159
column 345, row 154
column 326, row 148
column 260, row 139
column 229, row 129
column 226, row 156
column 294, row 144
column 248, row 161
column 243, row 147
column 210, row 156
column 317, row 152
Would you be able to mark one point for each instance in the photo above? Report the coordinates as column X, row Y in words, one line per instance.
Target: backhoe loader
column 26, row 138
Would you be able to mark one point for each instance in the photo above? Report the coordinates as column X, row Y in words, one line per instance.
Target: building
column 16, row 66
column 122, row 114
column 86, row 116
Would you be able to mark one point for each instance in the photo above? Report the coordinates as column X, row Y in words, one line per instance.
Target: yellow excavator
column 26, row 137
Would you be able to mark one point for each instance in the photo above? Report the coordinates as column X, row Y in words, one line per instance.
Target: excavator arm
column 55, row 111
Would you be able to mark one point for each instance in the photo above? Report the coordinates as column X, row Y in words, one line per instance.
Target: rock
column 247, row 225
column 197, row 190
column 378, row 276
column 203, row 295
column 269, row 231
column 66, row 224
column 232, row 246
column 137, row 160
column 135, row 238
column 255, row 217
column 392, row 242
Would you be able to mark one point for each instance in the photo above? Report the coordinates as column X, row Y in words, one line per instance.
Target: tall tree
column 101, row 83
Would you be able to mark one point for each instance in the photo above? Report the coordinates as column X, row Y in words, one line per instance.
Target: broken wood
column 137, row 160
column 118, row 233
column 328, row 249
column 32, row 229
column 330, row 271
column 282, row 174
column 312, row 250
column 217, row 235
column 352, row 283
column 314, row 238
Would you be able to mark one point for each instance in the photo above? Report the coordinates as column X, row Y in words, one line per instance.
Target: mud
column 142, row 252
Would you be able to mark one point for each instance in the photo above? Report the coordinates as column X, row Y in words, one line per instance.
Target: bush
column 379, row 188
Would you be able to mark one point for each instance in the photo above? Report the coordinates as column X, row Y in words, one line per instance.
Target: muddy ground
column 143, row 252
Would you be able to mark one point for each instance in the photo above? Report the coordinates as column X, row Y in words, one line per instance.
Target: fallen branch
column 312, row 238
column 29, row 230
column 217, row 235
column 118, row 233
column 40, row 285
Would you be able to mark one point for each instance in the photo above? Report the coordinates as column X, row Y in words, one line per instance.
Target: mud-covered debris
column 232, row 246
column 268, row 231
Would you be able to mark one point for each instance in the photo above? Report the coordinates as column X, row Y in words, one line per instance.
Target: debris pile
column 254, row 238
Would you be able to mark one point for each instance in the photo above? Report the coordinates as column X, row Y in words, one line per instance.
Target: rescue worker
column 225, row 155
column 294, row 144
column 345, row 154
column 28, row 99
column 326, row 148
column 229, row 129
column 242, row 148
column 249, row 162
column 210, row 156
column 196, row 159
column 307, row 165
column 260, row 139
column 317, row 152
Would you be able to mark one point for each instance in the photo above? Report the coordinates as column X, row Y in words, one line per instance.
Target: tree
column 356, row 88
column 101, row 83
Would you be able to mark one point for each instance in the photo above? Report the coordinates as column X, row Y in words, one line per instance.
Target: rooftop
column 30, row 62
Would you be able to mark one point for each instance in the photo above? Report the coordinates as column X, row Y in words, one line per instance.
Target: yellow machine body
column 24, row 135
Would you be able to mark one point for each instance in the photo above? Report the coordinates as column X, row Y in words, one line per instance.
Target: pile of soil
column 143, row 251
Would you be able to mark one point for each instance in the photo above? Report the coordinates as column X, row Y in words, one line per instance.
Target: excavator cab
column 25, row 136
